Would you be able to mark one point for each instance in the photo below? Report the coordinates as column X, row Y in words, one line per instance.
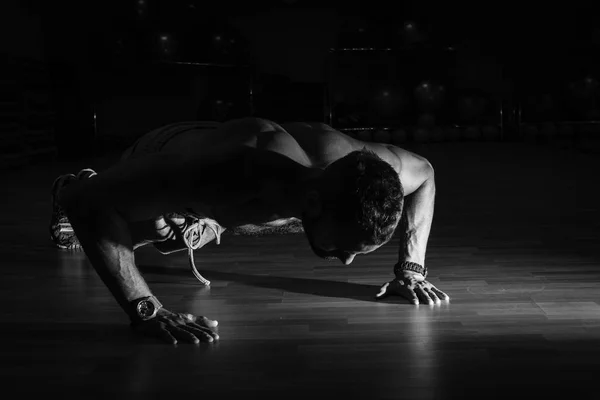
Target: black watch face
column 145, row 309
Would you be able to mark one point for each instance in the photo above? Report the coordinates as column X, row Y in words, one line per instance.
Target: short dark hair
column 364, row 190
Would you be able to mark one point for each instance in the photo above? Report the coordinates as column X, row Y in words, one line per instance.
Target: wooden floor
column 514, row 243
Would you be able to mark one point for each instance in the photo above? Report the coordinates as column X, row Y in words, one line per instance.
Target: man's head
column 355, row 207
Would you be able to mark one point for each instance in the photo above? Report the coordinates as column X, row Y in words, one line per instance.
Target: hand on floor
column 415, row 288
column 172, row 327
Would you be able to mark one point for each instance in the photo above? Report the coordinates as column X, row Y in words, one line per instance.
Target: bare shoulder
column 409, row 159
column 415, row 169
column 325, row 144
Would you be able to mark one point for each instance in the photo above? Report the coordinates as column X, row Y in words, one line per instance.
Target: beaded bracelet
column 410, row 266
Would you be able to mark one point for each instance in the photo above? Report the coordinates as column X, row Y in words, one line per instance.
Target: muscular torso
column 306, row 145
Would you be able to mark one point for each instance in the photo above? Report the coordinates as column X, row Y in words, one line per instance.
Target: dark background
column 97, row 74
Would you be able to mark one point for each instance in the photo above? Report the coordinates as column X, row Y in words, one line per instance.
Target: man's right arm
column 100, row 210
column 105, row 237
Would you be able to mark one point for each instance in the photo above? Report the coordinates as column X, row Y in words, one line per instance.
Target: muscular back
column 314, row 145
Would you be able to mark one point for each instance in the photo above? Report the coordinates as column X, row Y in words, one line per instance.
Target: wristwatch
column 145, row 308
column 410, row 266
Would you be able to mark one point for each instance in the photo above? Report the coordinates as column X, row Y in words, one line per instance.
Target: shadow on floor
column 316, row 287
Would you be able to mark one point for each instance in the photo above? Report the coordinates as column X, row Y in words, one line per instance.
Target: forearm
column 106, row 240
column 417, row 225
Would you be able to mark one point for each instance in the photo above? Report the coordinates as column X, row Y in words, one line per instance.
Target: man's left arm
column 418, row 208
column 411, row 271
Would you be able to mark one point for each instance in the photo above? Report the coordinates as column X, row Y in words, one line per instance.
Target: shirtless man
column 180, row 186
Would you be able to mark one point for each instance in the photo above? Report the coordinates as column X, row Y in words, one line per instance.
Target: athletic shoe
column 192, row 236
column 61, row 232
column 187, row 232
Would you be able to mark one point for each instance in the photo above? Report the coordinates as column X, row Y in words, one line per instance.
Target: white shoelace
column 192, row 236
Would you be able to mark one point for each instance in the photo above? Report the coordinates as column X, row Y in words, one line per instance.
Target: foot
column 61, row 231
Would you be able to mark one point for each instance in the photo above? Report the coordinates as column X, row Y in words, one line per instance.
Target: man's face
column 332, row 242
